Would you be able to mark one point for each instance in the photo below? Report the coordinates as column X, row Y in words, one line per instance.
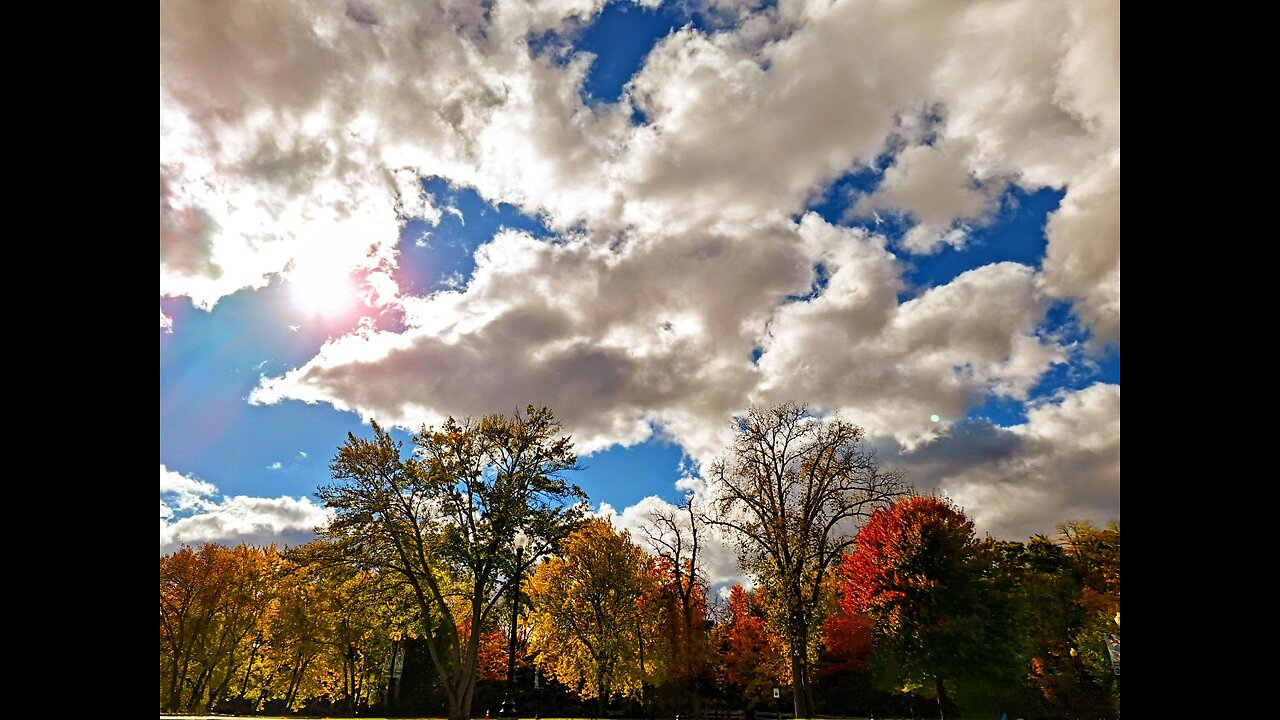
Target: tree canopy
column 790, row 489
column 442, row 521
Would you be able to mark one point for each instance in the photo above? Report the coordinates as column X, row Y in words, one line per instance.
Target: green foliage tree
column 943, row 611
column 1095, row 556
column 441, row 522
column 1048, row 592
column 790, row 489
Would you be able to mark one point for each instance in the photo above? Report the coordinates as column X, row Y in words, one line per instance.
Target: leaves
column 593, row 613
column 441, row 521
column 791, row 487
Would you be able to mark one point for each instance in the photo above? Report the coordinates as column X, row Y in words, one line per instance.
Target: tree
column 1095, row 556
column 790, row 489
column 442, row 522
column 294, row 653
column 942, row 613
column 846, row 643
column 212, row 602
column 593, row 613
column 676, row 534
column 1050, row 591
column 751, row 661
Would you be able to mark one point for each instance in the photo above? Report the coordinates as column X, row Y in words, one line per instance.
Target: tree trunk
column 942, row 696
column 460, row 699
column 455, row 709
column 800, row 694
column 602, row 702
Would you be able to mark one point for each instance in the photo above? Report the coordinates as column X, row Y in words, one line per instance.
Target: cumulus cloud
column 193, row 511
column 185, row 491
column 1083, row 258
column 614, row 341
column 325, row 120
column 936, row 189
column 890, row 365
column 681, row 287
column 1063, row 463
column 717, row 558
column 610, row 338
column 292, row 131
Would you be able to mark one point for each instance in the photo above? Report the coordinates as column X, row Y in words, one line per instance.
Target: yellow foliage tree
column 595, row 614
column 213, row 601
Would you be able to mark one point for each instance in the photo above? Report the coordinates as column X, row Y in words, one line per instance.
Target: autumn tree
column 1095, row 557
column 212, row 603
column 790, row 489
column 300, row 624
column 676, row 535
column 1049, row 592
column 943, row 617
column 846, row 643
column 442, row 520
column 751, row 660
column 593, row 613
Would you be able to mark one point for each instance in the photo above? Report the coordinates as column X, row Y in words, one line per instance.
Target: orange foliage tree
column 212, row 605
column 751, row 658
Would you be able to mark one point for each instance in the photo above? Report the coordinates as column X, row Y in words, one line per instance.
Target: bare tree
column 676, row 534
column 789, row 492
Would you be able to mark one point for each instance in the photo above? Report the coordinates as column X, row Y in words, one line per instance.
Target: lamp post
column 508, row 707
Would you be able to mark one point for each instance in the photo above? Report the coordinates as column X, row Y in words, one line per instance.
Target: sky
column 648, row 216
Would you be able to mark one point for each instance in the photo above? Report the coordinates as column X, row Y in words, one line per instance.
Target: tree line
column 865, row 597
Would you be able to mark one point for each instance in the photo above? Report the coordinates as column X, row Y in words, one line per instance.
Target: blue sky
column 647, row 218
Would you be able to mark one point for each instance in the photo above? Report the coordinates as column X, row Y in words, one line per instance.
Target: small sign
column 1113, row 649
column 777, row 693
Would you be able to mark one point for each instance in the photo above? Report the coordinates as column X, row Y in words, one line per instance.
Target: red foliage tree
column 846, row 643
column 918, row 572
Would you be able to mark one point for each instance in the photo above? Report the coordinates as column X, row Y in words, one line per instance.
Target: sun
column 321, row 287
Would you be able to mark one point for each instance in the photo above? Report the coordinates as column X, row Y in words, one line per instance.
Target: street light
column 508, row 707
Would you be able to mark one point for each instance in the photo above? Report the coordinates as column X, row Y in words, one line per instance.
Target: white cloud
column 298, row 131
column 1083, row 258
column 185, row 491
column 277, row 465
column 1062, row 464
column 192, row 511
column 890, row 366
column 936, row 188
column 324, row 119
column 414, row 202
column 166, row 322
column 717, row 558
column 290, row 132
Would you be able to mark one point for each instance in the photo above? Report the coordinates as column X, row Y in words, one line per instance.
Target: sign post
column 1113, row 650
